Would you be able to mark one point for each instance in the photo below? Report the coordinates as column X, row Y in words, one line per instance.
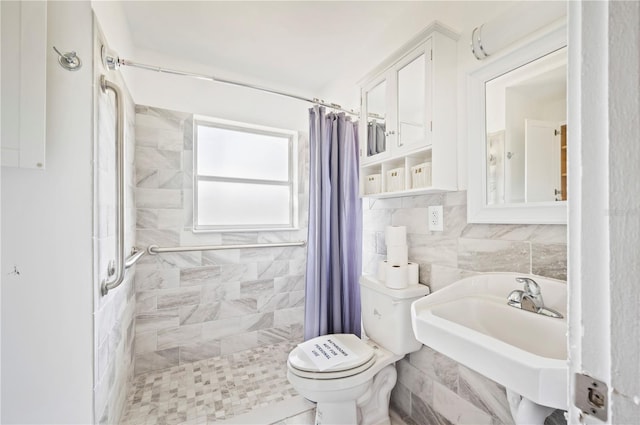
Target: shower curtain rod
column 113, row 61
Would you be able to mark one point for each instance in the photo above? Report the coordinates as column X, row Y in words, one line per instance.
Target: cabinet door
column 24, row 83
column 375, row 143
column 413, row 76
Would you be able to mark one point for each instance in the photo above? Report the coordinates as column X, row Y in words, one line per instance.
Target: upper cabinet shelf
column 408, row 119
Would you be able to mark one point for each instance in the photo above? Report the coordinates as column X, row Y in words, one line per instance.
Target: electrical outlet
column 436, row 219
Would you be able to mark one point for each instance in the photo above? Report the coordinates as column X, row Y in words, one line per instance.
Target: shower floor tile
column 211, row 390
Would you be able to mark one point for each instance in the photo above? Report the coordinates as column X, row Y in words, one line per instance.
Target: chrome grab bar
column 115, row 278
column 136, row 254
column 155, row 249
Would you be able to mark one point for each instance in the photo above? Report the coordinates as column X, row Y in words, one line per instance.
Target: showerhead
column 110, row 58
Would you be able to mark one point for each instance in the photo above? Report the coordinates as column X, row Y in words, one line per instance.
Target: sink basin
column 471, row 322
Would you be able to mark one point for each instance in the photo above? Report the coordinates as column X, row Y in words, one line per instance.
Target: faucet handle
column 530, row 285
column 515, row 296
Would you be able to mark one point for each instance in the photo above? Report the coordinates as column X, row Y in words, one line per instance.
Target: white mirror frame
column 478, row 211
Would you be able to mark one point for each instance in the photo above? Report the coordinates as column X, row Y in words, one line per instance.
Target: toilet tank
column 386, row 314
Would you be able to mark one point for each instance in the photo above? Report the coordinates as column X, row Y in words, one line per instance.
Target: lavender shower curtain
column 334, row 253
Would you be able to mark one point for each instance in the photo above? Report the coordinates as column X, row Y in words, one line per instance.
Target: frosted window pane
column 238, row 204
column 237, row 154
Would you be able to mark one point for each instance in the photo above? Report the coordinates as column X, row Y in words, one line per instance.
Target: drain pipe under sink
column 525, row 411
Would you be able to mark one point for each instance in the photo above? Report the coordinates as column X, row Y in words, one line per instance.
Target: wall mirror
column 411, row 102
column 517, row 135
column 376, row 120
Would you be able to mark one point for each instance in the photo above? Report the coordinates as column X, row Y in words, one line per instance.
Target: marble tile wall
column 114, row 313
column 196, row 305
column 432, row 388
column 462, row 248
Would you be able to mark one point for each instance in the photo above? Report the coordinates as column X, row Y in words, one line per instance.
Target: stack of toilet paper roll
column 397, row 272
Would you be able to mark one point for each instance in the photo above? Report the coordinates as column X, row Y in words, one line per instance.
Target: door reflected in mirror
column 526, row 149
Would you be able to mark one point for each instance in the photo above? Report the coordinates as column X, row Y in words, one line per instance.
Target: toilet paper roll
column 396, row 276
column 397, row 255
column 395, row 235
column 414, row 273
column 382, row 270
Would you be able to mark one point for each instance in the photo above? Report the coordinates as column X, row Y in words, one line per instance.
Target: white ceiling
column 302, row 45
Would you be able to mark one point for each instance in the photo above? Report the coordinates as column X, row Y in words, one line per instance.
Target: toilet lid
column 364, row 354
column 332, row 375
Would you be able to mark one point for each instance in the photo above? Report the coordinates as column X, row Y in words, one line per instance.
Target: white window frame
column 292, row 182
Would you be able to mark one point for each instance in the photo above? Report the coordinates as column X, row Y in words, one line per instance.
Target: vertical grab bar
column 114, row 279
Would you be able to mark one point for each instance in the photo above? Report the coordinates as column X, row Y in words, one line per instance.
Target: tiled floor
column 248, row 387
column 211, row 390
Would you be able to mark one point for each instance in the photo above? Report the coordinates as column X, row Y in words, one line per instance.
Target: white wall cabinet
column 410, row 99
column 24, row 78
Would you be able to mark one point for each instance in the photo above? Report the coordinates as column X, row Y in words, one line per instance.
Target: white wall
column 114, row 25
column 213, row 99
column 47, row 356
column 196, row 96
column 553, row 110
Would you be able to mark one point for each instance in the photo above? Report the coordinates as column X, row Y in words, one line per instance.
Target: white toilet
column 357, row 392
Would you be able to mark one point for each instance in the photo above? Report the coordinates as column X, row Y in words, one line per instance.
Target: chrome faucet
column 530, row 299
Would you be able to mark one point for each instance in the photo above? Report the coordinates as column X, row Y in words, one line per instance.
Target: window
column 245, row 176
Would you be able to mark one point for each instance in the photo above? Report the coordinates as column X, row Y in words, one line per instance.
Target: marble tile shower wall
column 196, row 305
column 431, row 387
column 114, row 314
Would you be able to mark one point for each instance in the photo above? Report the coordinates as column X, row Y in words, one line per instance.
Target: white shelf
column 408, row 192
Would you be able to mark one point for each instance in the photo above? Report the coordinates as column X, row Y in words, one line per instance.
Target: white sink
column 525, row 352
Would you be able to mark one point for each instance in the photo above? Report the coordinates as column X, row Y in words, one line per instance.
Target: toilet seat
column 300, row 364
